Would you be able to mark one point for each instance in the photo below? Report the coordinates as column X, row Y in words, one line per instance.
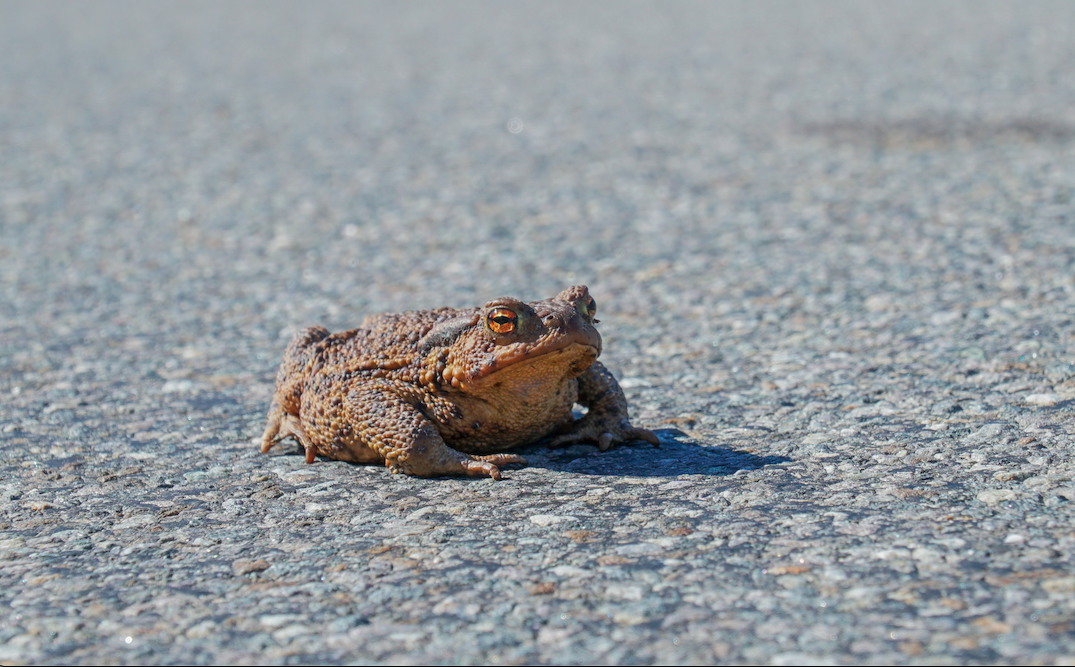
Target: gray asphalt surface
column 833, row 248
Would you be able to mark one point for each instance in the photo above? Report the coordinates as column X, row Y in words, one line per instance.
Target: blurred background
column 199, row 180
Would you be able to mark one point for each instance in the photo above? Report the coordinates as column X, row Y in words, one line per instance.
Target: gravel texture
column 833, row 248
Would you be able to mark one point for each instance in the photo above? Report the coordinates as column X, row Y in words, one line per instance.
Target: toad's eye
column 502, row 321
column 590, row 309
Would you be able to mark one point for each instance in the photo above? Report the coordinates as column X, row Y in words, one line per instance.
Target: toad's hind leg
column 281, row 425
column 408, row 441
column 283, row 419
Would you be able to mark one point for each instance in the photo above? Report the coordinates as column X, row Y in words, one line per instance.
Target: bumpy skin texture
column 440, row 392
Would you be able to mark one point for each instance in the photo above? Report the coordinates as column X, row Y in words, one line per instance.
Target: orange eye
column 591, row 307
column 502, row 321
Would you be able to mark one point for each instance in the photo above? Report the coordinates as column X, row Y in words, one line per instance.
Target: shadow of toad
column 677, row 455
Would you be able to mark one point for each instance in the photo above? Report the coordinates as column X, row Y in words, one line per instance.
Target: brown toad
column 418, row 389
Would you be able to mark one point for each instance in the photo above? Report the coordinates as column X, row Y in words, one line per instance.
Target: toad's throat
column 572, row 359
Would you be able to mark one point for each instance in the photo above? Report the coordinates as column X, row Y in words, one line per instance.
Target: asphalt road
column 833, row 248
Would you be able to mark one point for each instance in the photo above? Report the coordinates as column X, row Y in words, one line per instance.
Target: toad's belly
column 481, row 426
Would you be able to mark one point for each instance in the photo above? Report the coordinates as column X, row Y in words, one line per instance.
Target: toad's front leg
column 607, row 420
column 408, row 442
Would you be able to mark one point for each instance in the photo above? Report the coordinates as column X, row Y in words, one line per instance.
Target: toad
column 447, row 391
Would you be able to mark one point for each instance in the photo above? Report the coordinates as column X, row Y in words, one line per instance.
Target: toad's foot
column 489, row 464
column 282, row 425
column 606, row 431
column 607, row 421
column 443, row 460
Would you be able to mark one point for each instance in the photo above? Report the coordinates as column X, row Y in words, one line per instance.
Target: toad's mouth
column 569, row 360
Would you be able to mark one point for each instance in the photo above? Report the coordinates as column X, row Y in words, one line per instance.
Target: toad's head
column 508, row 341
